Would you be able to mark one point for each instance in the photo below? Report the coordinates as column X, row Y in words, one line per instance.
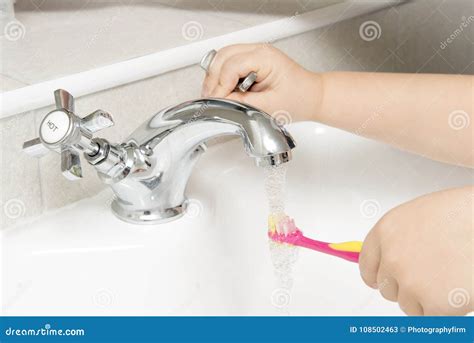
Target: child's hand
column 281, row 85
column 423, row 113
column 420, row 254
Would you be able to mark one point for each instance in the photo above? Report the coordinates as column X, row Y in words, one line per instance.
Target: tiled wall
column 424, row 29
column 409, row 38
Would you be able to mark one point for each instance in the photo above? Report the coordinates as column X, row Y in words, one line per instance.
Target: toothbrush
column 284, row 230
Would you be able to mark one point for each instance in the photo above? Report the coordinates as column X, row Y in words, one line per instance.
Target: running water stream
column 283, row 256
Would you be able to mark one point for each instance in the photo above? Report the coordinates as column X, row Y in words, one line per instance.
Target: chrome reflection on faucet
column 150, row 170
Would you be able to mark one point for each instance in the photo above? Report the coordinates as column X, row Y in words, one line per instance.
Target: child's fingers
column 222, row 55
column 236, row 67
column 386, row 284
column 369, row 259
column 409, row 304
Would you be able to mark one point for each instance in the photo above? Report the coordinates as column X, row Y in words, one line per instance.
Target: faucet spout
column 168, row 145
column 200, row 120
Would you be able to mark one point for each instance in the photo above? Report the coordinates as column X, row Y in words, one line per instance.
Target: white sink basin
column 81, row 260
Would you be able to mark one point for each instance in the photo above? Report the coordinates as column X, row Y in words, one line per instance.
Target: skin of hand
column 428, row 114
column 420, row 254
column 281, row 85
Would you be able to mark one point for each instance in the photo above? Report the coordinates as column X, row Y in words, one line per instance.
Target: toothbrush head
column 283, row 229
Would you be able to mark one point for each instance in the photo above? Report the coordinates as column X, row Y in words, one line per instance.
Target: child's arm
column 423, row 113
column 427, row 114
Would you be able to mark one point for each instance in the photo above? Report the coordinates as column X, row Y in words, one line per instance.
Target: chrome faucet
column 149, row 171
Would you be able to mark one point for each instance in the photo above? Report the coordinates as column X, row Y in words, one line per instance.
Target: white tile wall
column 7, row 83
column 424, row 26
column 407, row 39
column 20, row 195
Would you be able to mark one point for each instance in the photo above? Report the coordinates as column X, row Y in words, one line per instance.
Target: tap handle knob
column 207, row 59
column 96, row 121
column 64, row 132
column 243, row 85
column 34, row 147
column 70, row 164
column 64, row 99
column 59, row 127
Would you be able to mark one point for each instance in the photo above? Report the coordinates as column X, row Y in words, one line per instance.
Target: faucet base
column 154, row 216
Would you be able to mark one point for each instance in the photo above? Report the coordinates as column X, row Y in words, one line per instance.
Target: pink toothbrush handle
column 352, row 256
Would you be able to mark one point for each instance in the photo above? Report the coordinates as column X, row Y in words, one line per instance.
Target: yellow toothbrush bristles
column 281, row 224
column 271, row 224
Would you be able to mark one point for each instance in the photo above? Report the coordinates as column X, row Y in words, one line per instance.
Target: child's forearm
column 424, row 113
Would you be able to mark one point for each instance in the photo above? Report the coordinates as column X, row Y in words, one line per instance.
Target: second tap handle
column 243, row 85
